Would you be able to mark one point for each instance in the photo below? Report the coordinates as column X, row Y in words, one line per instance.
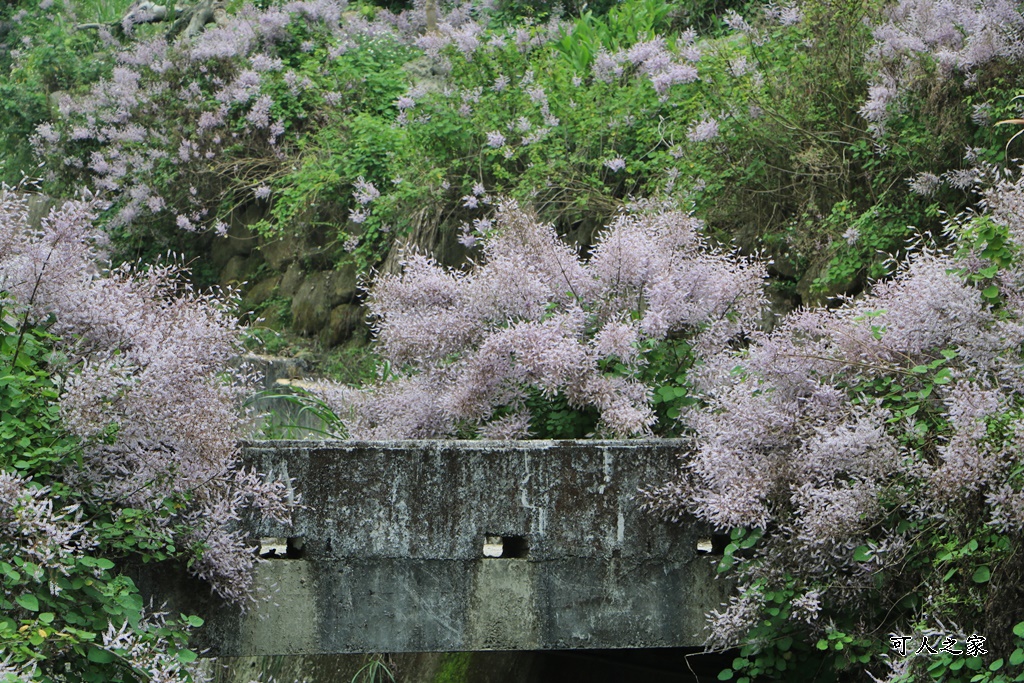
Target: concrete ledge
column 393, row 551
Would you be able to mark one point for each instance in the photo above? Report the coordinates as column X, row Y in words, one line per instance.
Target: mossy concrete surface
column 387, row 552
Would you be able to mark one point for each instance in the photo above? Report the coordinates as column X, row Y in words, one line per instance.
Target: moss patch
column 454, row 667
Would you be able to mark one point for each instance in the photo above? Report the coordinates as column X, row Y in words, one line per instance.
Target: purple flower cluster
column 652, row 59
column 532, row 314
column 615, row 165
column 789, row 440
column 221, row 83
column 31, row 529
column 959, row 35
column 703, row 130
column 154, row 361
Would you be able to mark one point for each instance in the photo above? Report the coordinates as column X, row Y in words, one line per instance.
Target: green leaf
column 996, row 665
column 28, row 601
column 1018, row 630
column 1017, row 657
column 982, row 574
column 990, row 292
column 725, row 675
column 132, row 602
column 862, row 554
column 186, row 656
column 100, row 656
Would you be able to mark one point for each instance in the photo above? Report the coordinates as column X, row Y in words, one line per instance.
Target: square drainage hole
column 509, row 547
column 275, row 548
column 713, row 545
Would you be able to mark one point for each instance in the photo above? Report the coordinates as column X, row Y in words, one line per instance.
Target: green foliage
column 434, row 162
column 56, row 614
column 31, row 440
column 867, row 242
column 991, row 241
column 352, row 365
column 357, row 142
column 666, row 371
column 51, row 57
column 57, row 618
column 375, row 670
column 621, row 27
column 306, row 404
column 778, row 648
column 553, row 418
column 705, row 16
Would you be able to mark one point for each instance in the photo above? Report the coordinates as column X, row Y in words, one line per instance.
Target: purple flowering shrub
column 786, row 155
column 180, row 132
column 67, row 614
column 290, row 107
column 758, row 129
column 39, row 54
column 866, row 460
column 942, row 40
column 128, row 446
column 518, row 117
column 467, row 351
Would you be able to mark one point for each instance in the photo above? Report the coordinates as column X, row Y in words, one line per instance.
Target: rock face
column 439, row 546
column 318, row 294
column 305, row 275
column 297, row 273
column 262, row 291
column 292, row 280
column 346, row 322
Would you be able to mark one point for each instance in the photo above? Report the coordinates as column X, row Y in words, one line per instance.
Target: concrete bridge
column 440, row 546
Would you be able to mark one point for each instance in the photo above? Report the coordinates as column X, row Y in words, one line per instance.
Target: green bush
column 54, row 615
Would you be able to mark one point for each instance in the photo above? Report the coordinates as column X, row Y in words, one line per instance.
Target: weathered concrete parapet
column 388, row 551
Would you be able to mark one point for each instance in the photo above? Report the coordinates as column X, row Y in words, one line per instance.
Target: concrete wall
column 388, row 551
